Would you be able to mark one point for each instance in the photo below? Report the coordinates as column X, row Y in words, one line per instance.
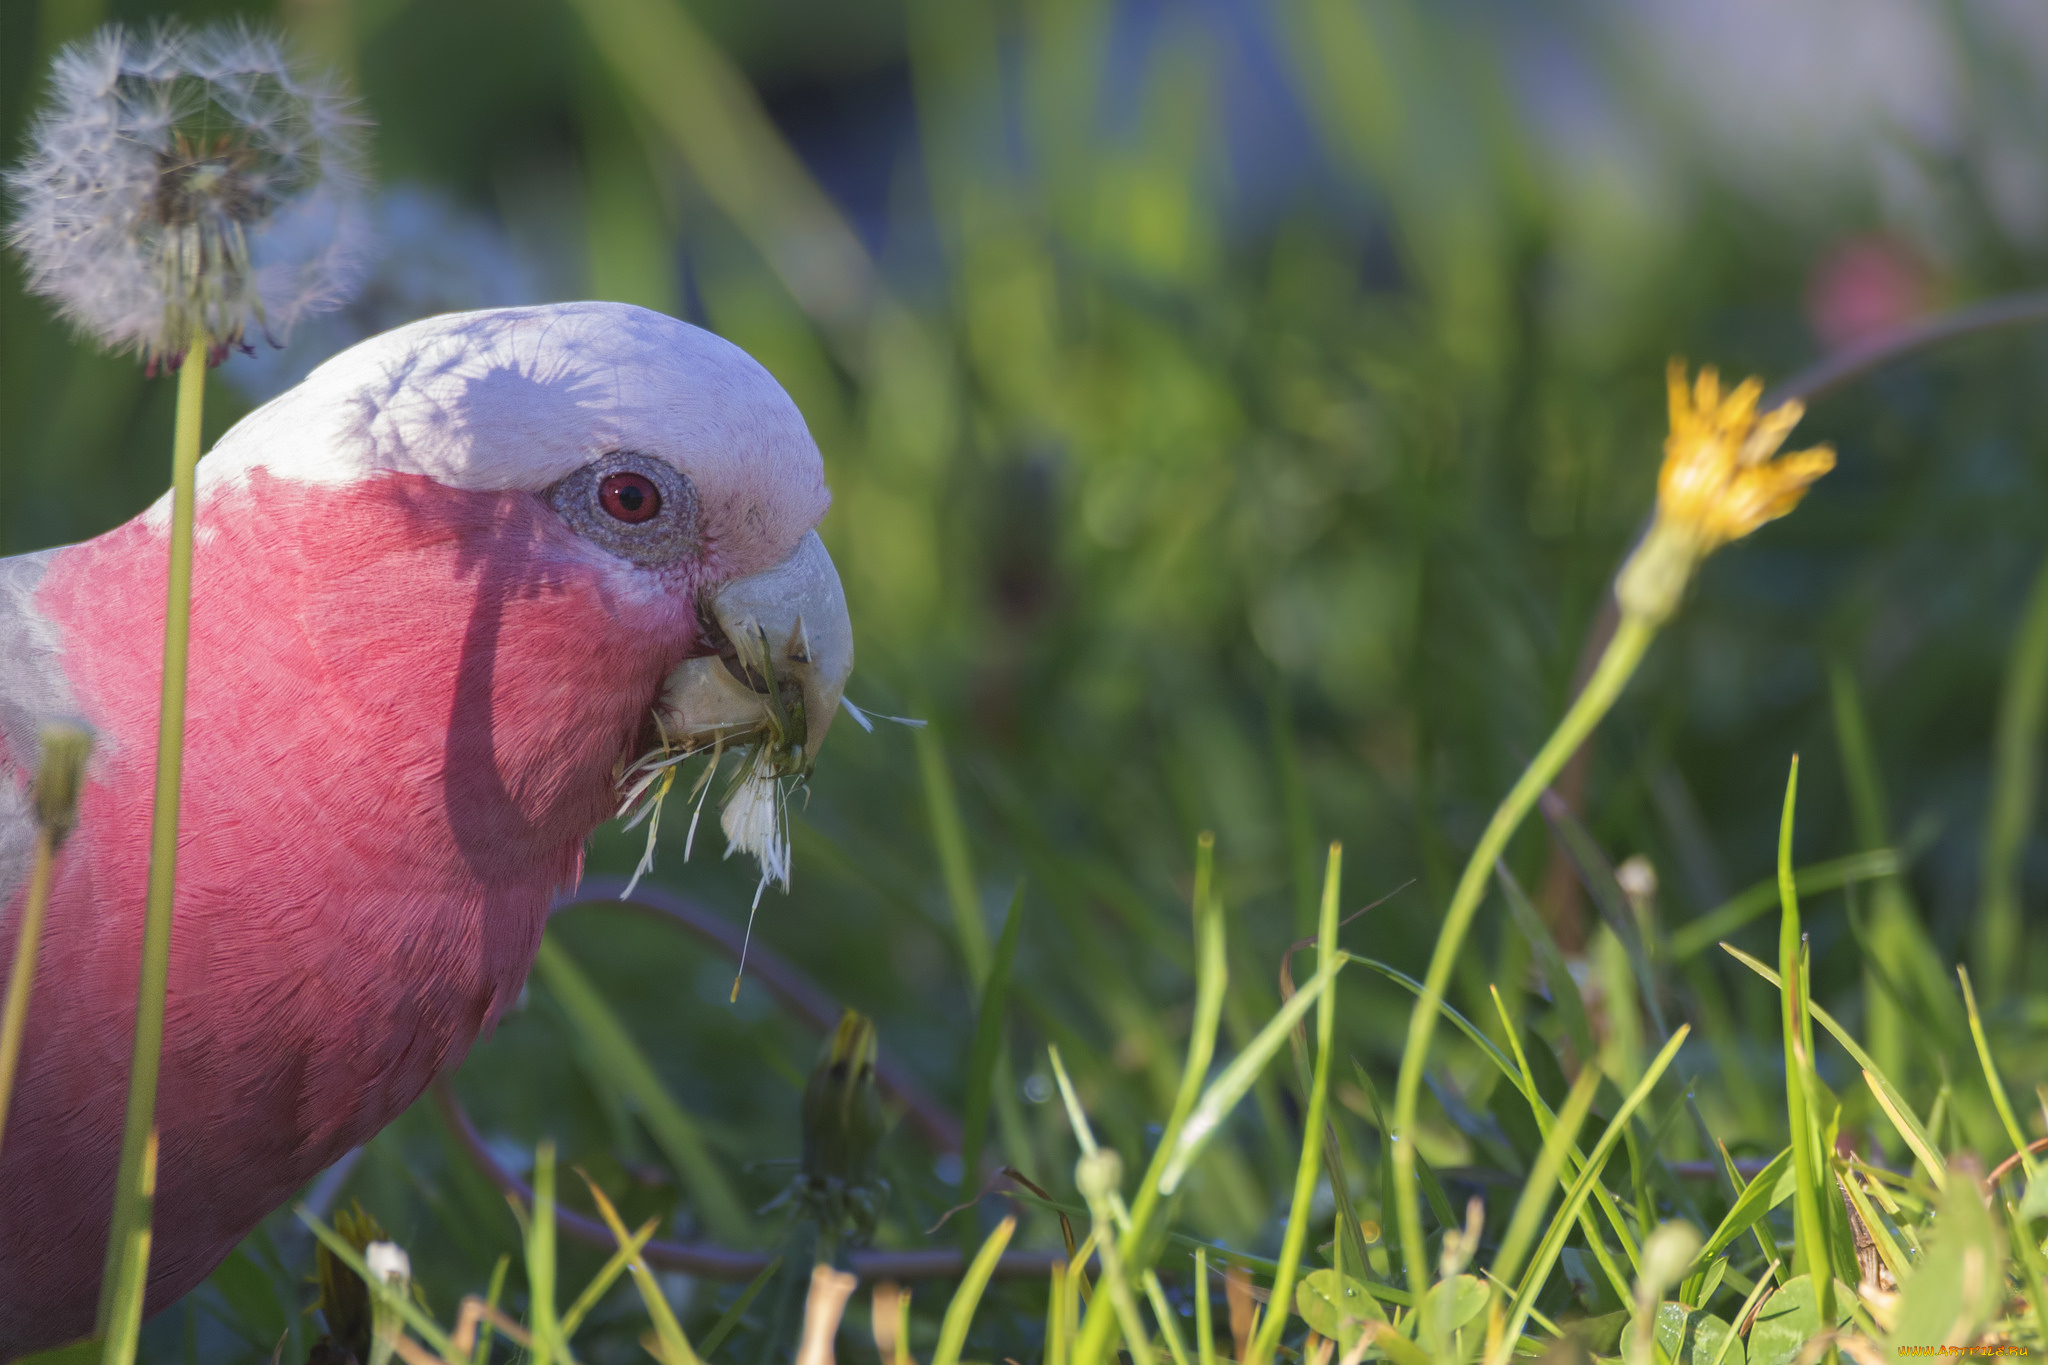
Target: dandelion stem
column 131, row 1203
column 59, row 776
column 14, row 1022
column 1617, row 663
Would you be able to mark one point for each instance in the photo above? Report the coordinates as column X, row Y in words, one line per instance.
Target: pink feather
column 407, row 702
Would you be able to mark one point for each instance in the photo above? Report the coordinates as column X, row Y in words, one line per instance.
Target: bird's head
column 636, row 473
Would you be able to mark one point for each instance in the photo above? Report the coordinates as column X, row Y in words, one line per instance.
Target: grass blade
column 1212, row 980
column 1564, row 988
column 1084, row 1136
column 1809, row 1254
column 1905, row 954
column 668, row 1333
column 486, row 1329
column 1230, row 1087
column 1432, row 1188
column 1999, row 1098
column 988, row 1041
column 1749, row 1303
column 606, row 1276
column 709, row 112
column 949, row 835
column 1163, row 1314
column 1547, row 1125
column 622, row 1064
column 1519, row 1075
column 540, row 1260
column 730, row 1318
column 1500, row 1059
column 1754, row 1202
column 1696, row 935
column 1548, row 1170
column 1318, row 1103
column 1553, row 1240
column 2033, row 1267
column 960, row 1312
column 2015, row 777
column 1894, row 1104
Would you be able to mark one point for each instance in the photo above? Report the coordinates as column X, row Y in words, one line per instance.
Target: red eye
column 631, row 498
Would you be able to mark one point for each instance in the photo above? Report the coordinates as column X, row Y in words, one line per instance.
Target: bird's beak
column 788, row 651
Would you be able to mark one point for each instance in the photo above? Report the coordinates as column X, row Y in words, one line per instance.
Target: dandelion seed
column 186, row 182
column 866, row 719
column 653, row 809
column 755, row 821
column 1722, row 479
column 701, row 792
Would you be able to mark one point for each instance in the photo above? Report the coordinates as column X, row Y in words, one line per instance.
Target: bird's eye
column 638, row 506
column 631, row 498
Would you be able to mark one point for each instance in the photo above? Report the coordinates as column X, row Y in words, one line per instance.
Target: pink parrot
column 440, row 588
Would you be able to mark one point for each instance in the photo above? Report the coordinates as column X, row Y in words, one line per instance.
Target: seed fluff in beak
column 780, row 651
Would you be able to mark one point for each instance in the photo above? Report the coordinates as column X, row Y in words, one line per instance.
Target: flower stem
column 14, row 1022
column 132, row 1192
column 1617, row 663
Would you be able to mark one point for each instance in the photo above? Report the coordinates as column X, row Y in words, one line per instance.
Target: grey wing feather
column 33, row 694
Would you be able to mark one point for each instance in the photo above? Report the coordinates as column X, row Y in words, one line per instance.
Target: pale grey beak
column 787, row 628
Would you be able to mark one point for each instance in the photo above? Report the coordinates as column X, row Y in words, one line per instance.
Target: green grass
column 1960, row 1273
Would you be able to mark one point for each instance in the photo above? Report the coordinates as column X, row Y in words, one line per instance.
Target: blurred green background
column 1234, row 412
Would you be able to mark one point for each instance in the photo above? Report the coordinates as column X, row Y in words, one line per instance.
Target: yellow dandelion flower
column 1722, row 478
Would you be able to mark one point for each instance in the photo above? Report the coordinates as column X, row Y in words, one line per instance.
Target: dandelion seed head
column 187, row 179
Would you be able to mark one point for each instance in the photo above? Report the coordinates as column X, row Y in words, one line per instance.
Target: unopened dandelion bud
column 1668, row 1253
column 345, row 1301
column 1722, row 478
column 840, row 1186
column 59, row 777
column 188, row 183
column 842, row 1107
column 1099, row 1175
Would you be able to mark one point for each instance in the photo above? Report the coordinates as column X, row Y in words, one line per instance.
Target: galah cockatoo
column 441, row 589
